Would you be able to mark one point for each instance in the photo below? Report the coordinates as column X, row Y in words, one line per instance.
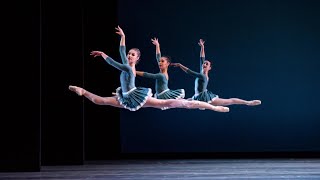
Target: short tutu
column 171, row 94
column 133, row 99
column 205, row 96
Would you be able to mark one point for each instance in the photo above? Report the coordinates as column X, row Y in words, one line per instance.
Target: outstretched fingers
column 95, row 53
column 155, row 41
column 119, row 31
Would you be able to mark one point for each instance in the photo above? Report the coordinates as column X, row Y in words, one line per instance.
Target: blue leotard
column 201, row 92
column 129, row 96
column 161, row 85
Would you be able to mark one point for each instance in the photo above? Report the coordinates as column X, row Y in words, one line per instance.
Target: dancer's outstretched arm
column 139, row 73
column 148, row 75
column 184, row 68
column 109, row 60
column 187, row 70
column 151, row 75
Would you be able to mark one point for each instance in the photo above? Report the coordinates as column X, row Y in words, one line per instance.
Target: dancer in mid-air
column 201, row 82
column 129, row 96
column 162, row 78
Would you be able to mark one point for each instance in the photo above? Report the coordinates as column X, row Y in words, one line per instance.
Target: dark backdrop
column 262, row 49
column 74, row 129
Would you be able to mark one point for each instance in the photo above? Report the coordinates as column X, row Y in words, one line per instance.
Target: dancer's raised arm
column 202, row 53
column 122, row 46
column 155, row 41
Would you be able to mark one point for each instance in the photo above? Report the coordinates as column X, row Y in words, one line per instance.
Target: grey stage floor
column 179, row 169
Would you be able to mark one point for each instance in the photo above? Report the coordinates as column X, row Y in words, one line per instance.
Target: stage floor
column 185, row 169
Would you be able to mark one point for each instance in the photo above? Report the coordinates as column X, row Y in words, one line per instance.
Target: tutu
column 170, row 94
column 133, row 99
column 205, row 96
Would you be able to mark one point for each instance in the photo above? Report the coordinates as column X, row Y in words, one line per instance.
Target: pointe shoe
column 254, row 103
column 78, row 90
column 222, row 109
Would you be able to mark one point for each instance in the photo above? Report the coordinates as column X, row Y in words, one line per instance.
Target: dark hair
column 209, row 62
column 168, row 58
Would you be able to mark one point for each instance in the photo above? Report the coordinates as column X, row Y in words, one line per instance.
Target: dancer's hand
column 96, row 53
column 155, row 41
column 175, row 64
column 201, row 43
column 119, row 31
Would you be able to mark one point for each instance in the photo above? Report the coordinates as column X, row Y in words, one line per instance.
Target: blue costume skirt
column 133, row 99
column 170, row 94
column 206, row 96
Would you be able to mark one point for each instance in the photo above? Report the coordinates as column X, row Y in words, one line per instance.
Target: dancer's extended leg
column 111, row 101
column 183, row 103
column 232, row 101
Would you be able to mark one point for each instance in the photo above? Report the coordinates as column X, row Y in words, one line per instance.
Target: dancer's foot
column 221, row 109
column 254, row 103
column 80, row 91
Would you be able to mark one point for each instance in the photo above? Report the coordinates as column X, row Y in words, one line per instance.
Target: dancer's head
column 164, row 62
column 206, row 66
column 134, row 55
